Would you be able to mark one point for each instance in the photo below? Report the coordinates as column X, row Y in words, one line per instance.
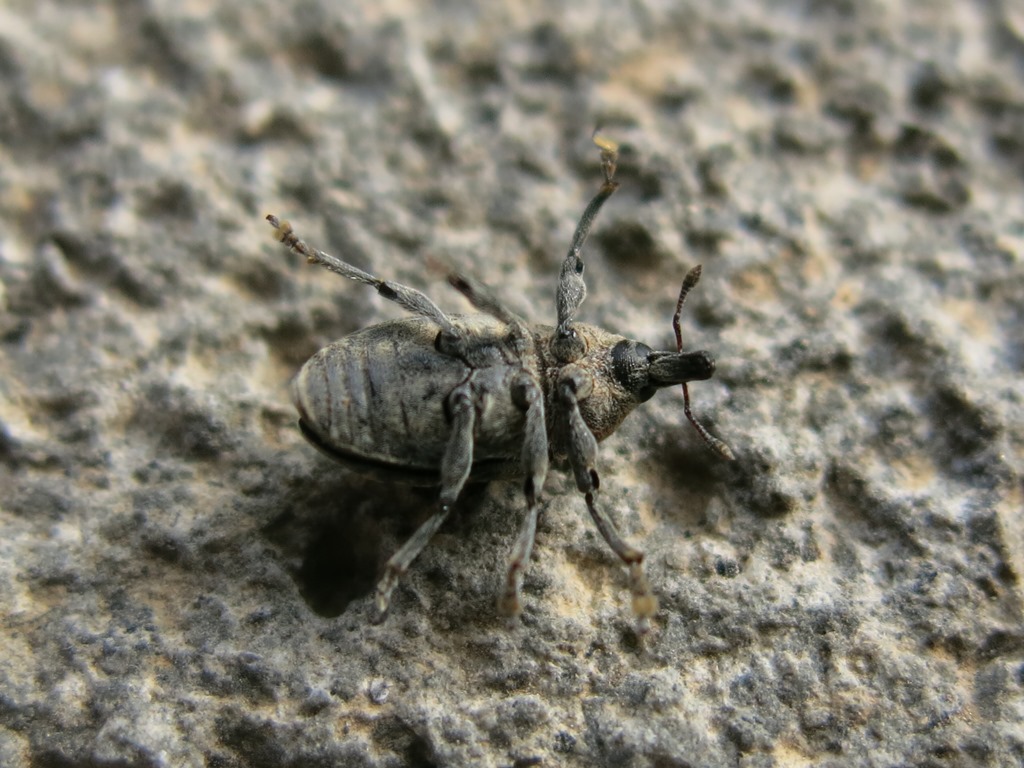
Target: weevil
column 442, row 400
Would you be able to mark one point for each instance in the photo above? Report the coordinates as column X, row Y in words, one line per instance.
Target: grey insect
column 440, row 399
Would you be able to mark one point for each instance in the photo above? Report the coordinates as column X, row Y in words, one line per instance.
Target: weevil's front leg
column 645, row 604
column 528, row 397
column 574, row 385
column 455, row 466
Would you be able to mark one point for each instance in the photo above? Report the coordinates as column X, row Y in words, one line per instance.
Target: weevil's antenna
column 609, row 154
column 572, row 289
column 712, row 442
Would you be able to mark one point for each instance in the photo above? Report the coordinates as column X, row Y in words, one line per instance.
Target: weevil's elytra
column 440, row 399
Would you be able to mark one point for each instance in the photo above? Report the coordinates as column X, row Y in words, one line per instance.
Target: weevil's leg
column 528, row 397
column 481, row 297
column 575, row 385
column 645, row 604
column 572, row 289
column 408, row 298
column 712, row 442
column 455, row 466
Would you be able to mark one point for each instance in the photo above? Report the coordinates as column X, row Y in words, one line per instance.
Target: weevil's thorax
column 607, row 361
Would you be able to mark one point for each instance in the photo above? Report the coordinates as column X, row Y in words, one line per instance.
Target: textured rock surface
column 184, row 582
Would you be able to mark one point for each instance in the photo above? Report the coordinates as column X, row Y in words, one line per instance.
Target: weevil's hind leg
column 402, row 559
column 481, row 297
column 455, row 466
column 528, row 397
column 408, row 298
column 573, row 386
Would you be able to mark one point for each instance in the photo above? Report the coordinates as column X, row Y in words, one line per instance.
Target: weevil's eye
column 631, row 366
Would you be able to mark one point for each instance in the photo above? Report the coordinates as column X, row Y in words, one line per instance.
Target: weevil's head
column 626, row 373
column 642, row 371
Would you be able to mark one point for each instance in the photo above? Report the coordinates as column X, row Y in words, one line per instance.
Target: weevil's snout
column 642, row 371
column 669, row 368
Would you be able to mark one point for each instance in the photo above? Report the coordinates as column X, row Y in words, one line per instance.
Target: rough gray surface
column 184, row 582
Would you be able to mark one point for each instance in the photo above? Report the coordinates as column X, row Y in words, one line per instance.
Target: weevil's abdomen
column 375, row 401
column 378, row 395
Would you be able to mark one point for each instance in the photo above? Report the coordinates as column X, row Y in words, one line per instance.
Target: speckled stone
column 185, row 582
